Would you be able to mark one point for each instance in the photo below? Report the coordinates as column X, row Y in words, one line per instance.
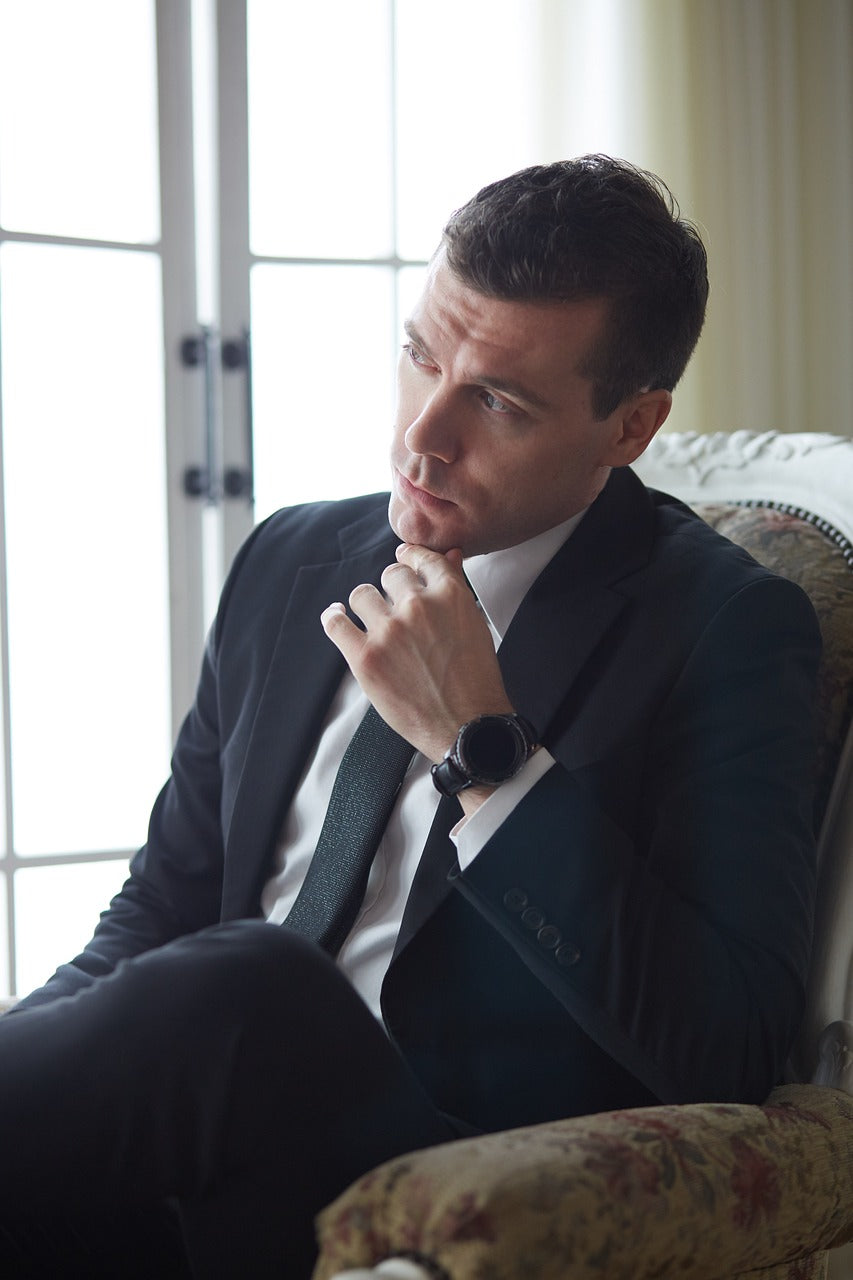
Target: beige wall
column 745, row 107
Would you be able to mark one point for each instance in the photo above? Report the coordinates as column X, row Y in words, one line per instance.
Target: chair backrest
column 788, row 500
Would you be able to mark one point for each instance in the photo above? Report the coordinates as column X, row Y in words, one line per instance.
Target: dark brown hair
column 593, row 227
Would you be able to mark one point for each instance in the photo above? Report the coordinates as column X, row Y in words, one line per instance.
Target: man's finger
column 341, row 630
column 399, row 578
column 333, row 617
column 425, row 562
column 367, row 601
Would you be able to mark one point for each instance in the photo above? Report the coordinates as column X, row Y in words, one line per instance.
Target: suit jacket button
column 567, row 955
column 549, row 936
column 515, row 899
column 533, row 918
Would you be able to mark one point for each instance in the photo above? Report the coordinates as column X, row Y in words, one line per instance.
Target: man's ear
column 639, row 419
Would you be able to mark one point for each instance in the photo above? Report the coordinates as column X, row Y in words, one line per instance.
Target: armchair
column 703, row 1191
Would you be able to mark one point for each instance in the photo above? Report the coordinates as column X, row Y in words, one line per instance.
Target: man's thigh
column 236, row 1058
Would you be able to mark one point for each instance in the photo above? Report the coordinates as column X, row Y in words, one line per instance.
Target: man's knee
column 236, row 973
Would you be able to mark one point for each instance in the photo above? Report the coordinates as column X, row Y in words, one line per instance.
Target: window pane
column 78, row 118
column 410, row 285
column 56, row 910
column 323, row 378
column 467, row 107
column 320, row 128
column 5, row 987
column 82, row 387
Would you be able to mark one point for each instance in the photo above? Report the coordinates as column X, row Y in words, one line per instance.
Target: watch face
column 492, row 749
column 488, row 751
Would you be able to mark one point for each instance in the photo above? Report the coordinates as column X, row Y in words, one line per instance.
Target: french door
column 99, row 608
column 213, row 214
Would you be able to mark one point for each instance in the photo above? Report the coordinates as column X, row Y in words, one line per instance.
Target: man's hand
column 426, row 659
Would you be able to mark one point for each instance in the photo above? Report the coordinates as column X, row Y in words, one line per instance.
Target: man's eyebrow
column 411, row 332
column 497, row 383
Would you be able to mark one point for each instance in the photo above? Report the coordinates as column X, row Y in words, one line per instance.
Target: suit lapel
column 573, row 604
column 303, row 675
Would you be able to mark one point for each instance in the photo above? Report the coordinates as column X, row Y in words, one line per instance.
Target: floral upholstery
column 704, row 1190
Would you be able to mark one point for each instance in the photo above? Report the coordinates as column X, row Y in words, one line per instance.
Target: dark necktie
column 366, row 786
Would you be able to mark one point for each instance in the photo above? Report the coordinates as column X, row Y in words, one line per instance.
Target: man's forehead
column 451, row 309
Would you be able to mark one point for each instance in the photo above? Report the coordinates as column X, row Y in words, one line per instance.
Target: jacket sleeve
column 679, row 941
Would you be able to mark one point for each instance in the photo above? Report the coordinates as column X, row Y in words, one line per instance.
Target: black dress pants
column 190, row 1113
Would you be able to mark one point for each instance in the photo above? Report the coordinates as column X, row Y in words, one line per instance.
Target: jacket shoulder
column 316, row 528
column 689, row 543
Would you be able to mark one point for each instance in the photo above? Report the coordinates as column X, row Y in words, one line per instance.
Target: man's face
column 495, row 439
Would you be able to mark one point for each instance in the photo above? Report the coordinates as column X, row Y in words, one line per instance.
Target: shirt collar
column 501, row 579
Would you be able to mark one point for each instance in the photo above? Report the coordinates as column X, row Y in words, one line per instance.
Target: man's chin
column 413, row 528
column 439, row 545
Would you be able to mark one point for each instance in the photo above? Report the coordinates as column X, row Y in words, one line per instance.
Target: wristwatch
column 487, row 751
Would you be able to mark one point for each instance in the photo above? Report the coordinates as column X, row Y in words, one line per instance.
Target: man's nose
column 435, row 430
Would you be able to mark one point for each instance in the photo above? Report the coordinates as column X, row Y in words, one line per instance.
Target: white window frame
column 183, row 390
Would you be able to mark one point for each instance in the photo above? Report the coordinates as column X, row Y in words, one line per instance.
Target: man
column 610, row 902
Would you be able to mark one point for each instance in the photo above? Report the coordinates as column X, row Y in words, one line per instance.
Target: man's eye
column 417, row 357
column 495, row 404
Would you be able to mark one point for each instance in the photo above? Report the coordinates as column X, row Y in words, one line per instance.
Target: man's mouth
column 415, row 491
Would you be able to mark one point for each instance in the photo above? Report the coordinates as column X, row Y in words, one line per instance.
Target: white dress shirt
column 500, row 580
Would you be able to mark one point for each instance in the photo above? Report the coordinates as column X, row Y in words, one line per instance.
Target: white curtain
column 745, row 108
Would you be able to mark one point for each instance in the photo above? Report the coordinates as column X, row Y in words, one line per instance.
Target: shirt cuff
column 470, row 835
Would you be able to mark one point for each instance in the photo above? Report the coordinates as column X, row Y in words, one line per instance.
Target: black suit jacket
column 639, row 928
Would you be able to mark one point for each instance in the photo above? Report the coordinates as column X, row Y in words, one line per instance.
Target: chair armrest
column 630, row 1194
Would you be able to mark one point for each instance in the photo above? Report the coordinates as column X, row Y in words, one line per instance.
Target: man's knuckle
column 372, row 663
column 397, row 625
column 411, row 613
